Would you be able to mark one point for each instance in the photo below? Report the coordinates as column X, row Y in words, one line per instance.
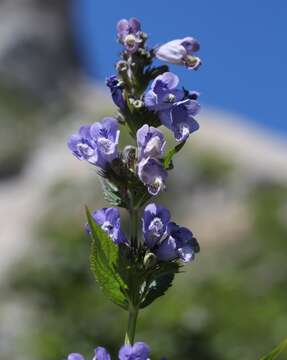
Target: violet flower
column 176, row 108
column 83, row 146
column 180, row 51
column 96, row 143
column 110, row 222
column 154, row 224
column 179, row 244
column 128, row 32
column 163, row 93
column 152, row 173
column 116, row 91
column 75, row 356
column 100, row 354
column 180, row 118
column 138, row 351
column 151, row 142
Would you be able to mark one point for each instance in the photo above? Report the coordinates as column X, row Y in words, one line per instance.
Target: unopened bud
column 143, row 36
column 129, row 155
column 150, row 260
column 138, row 104
column 121, row 66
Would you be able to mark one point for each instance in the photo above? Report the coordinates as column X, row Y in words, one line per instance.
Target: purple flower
column 179, row 244
column 96, row 143
column 180, row 51
column 116, row 91
column 83, row 146
column 75, row 356
column 154, row 224
column 106, row 136
column 138, row 351
column 152, row 174
column 110, row 222
column 163, row 93
column 151, row 142
column 129, row 34
column 176, row 108
column 180, row 118
column 100, row 354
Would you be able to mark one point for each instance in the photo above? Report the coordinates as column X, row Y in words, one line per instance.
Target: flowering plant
column 134, row 270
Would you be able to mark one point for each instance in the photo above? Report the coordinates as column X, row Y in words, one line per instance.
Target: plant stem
column 131, row 330
column 134, row 228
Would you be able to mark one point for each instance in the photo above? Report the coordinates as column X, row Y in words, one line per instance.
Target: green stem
column 134, row 228
column 131, row 330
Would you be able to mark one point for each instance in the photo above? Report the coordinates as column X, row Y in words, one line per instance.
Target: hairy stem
column 131, row 329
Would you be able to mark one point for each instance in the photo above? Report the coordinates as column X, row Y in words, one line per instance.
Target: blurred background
column 229, row 185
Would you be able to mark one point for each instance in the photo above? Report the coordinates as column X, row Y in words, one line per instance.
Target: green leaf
column 104, row 261
column 276, row 352
column 159, row 282
column 112, row 193
column 167, row 161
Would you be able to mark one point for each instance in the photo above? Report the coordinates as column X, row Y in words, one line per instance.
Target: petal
column 125, row 352
column 192, row 107
column 135, row 25
column 100, row 216
column 167, row 250
column 169, row 79
column 150, row 99
column 190, row 44
column 75, row 356
column 186, row 253
column 122, row 26
column 101, row 354
column 73, row 142
column 172, row 52
column 166, row 118
column 141, row 135
column 141, row 351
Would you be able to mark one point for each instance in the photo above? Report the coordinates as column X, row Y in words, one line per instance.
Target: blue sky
column 243, row 47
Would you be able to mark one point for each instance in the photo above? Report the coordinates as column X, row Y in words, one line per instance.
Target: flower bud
column 150, row 260
column 122, row 66
column 138, row 104
column 143, row 36
column 180, row 51
column 129, row 155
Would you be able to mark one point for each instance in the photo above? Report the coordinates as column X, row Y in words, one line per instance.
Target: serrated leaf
column 157, row 288
column 112, row 193
column 276, row 352
column 160, row 280
column 104, row 261
column 167, row 161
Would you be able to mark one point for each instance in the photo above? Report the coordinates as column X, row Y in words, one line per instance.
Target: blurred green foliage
column 230, row 304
